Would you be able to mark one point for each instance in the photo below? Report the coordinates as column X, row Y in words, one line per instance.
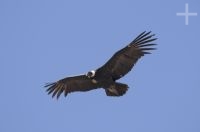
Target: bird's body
column 105, row 77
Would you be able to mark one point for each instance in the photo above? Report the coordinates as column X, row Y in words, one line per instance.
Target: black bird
column 105, row 77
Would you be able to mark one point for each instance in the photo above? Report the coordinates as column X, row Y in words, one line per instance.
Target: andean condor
column 105, row 77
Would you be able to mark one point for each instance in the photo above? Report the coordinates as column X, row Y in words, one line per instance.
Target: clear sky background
column 45, row 40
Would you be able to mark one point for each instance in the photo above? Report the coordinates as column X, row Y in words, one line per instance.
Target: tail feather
column 118, row 89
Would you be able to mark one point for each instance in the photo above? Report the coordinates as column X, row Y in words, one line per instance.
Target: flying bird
column 107, row 75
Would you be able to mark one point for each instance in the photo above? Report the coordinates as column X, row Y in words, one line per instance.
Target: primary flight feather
column 105, row 77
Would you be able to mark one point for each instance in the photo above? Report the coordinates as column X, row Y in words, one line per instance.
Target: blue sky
column 46, row 40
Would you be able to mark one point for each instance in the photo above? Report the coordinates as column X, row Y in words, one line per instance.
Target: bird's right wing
column 71, row 84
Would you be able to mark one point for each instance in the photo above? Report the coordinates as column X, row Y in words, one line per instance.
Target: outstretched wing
column 123, row 61
column 71, row 84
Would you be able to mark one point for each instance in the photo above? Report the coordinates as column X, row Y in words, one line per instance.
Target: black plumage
column 105, row 77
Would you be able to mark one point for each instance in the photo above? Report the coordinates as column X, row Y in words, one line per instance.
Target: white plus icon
column 186, row 14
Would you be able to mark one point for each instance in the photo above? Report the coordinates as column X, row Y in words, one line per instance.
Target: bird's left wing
column 123, row 60
column 71, row 84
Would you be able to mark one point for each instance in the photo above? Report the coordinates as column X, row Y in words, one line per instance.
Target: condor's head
column 90, row 74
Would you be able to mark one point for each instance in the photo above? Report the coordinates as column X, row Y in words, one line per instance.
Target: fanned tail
column 118, row 89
